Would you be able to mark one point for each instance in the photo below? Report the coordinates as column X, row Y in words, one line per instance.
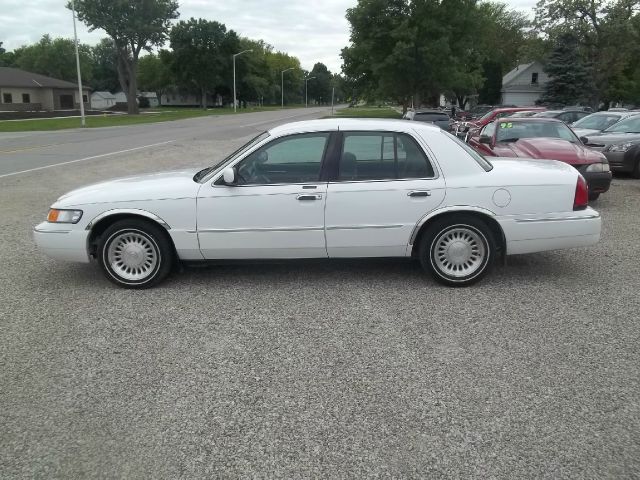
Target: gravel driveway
column 341, row 370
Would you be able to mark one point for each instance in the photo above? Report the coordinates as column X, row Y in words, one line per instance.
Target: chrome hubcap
column 132, row 256
column 459, row 252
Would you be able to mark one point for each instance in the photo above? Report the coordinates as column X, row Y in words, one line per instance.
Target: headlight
column 621, row 147
column 64, row 216
column 598, row 167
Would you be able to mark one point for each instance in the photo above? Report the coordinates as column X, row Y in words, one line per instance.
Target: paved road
column 34, row 150
column 330, row 370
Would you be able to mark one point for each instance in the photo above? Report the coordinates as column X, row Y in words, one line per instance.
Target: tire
column 593, row 196
column 636, row 170
column 148, row 260
column 475, row 256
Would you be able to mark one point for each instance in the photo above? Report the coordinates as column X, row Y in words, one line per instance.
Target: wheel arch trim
column 127, row 211
column 449, row 209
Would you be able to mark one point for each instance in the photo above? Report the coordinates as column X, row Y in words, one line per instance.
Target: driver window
column 293, row 159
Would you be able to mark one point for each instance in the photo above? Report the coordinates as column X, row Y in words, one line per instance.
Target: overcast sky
column 313, row 31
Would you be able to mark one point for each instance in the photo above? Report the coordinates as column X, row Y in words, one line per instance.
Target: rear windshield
column 483, row 162
column 431, row 117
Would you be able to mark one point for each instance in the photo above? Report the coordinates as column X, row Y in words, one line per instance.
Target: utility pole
column 75, row 38
column 306, row 99
column 282, row 86
column 235, row 100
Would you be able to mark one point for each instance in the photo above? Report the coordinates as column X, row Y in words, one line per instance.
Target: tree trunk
column 203, row 98
column 132, row 101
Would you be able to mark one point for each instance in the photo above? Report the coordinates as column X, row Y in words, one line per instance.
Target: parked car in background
column 544, row 138
column 620, row 143
column 567, row 116
column 473, row 113
column 597, row 122
column 437, row 117
column 523, row 114
column 464, row 129
column 333, row 188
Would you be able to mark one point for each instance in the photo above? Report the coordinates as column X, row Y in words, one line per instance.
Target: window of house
column 85, row 99
column 534, row 78
column 382, row 156
column 26, row 98
column 6, row 98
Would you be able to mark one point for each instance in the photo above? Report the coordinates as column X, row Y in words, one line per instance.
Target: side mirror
column 485, row 139
column 584, row 140
column 229, row 176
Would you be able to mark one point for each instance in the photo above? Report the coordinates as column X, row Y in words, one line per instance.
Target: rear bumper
column 62, row 242
column 539, row 233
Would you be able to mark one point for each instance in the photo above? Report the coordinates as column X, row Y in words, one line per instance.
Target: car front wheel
column 135, row 253
column 458, row 251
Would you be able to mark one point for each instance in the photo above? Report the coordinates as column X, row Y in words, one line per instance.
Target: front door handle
column 419, row 193
column 309, row 196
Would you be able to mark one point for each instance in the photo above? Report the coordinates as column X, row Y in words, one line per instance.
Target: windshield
column 597, row 121
column 551, row 113
column 630, row 125
column 487, row 115
column 479, row 110
column 229, row 158
column 513, row 131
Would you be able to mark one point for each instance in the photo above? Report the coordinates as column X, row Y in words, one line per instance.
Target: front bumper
column 598, row 182
column 620, row 161
column 62, row 241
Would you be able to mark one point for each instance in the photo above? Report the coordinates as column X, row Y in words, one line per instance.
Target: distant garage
column 22, row 91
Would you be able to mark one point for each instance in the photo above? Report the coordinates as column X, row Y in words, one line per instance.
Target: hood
column 583, row 132
column 605, row 139
column 549, row 149
column 155, row 186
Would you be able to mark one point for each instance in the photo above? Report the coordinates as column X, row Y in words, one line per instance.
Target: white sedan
column 329, row 188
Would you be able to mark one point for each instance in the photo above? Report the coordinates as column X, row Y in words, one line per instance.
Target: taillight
column 581, row 199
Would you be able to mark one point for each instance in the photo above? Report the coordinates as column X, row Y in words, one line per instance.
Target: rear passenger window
column 382, row 156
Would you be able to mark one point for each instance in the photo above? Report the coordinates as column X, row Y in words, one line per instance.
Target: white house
column 152, row 97
column 102, row 100
column 120, row 97
column 523, row 85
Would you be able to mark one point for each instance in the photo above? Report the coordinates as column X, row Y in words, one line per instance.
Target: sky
column 313, row 31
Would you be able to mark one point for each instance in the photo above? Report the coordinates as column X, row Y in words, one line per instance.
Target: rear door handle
column 419, row 193
column 309, row 196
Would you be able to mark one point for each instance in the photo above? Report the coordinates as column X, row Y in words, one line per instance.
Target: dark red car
column 472, row 126
column 544, row 138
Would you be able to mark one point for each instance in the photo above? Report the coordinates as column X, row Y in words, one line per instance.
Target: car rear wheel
column 593, row 196
column 135, row 253
column 458, row 251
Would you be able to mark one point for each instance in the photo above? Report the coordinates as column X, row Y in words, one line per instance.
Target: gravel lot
column 350, row 369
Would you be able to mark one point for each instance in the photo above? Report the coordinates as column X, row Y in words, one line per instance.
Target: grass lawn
column 162, row 114
column 368, row 112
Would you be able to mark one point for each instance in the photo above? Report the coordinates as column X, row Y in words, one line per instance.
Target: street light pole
column 75, row 38
column 306, row 98
column 282, row 86
column 235, row 100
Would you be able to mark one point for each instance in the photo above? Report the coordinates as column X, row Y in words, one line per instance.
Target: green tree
column 155, row 73
column 605, row 32
column 319, row 88
column 134, row 25
column 570, row 81
column 105, row 66
column 202, row 52
column 55, row 58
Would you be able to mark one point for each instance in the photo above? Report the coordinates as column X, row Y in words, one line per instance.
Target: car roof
column 330, row 124
column 530, row 119
column 517, row 109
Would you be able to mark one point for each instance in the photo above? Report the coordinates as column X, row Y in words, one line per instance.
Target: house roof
column 14, row 77
column 515, row 72
column 105, row 95
column 149, row 94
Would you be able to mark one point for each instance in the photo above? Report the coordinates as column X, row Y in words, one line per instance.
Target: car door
column 276, row 207
column 383, row 185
